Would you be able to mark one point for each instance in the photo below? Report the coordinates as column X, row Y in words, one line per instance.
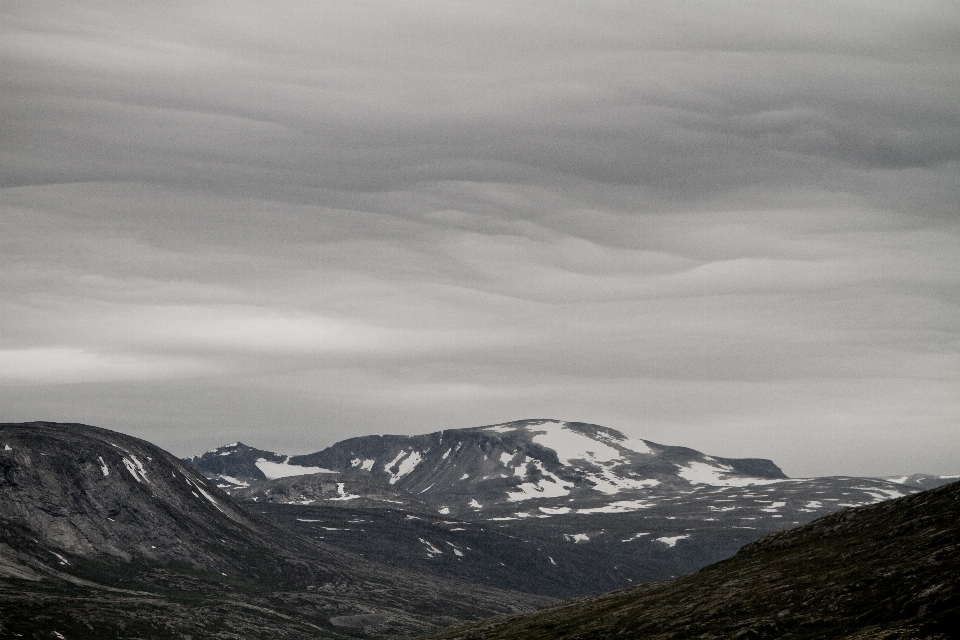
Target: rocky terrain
column 560, row 509
column 107, row 536
column 886, row 571
column 104, row 535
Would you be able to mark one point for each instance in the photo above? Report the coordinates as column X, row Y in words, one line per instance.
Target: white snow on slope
column 505, row 458
column 431, row 550
column 103, row 466
column 672, row 541
column 366, row 465
column 475, row 504
column 500, row 428
column 235, row 481
column 555, row 511
column 7, row 447
column 712, row 474
column 547, row 486
column 206, row 495
column 879, row 495
column 405, row 466
column 606, row 481
column 571, row 445
column 135, row 467
column 274, row 470
column 343, row 493
column 621, row 506
column 636, row 536
column 577, row 537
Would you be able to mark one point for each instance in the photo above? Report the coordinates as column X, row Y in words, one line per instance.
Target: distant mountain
column 104, row 535
column 885, row 571
column 596, row 510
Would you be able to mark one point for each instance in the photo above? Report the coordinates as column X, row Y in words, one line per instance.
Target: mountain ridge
column 597, row 510
column 102, row 533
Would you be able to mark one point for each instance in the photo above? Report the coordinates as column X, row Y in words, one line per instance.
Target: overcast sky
column 732, row 226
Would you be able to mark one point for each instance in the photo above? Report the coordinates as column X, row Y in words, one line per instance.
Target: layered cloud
column 401, row 217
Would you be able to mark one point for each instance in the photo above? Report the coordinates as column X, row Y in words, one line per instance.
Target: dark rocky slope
column 107, row 536
column 890, row 570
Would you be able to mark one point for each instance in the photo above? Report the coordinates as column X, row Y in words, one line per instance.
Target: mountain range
column 103, row 535
column 557, row 508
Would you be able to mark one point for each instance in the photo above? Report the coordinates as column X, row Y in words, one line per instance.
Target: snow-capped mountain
column 595, row 510
column 528, row 467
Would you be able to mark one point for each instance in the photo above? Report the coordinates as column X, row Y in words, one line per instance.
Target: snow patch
column 405, row 462
column 444, row 456
column 443, row 510
column 431, row 550
column 576, row 537
column 500, row 428
column 234, row 481
column 672, row 541
column 638, row 446
column 636, row 536
column 879, row 495
column 343, row 495
column 465, row 476
column 505, row 458
column 570, row 445
column 555, row 511
column 476, row 505
column 366, row 465
column 103, row 466
column 61, row 559
column 547, row 486
column 712, row 474
column 607, row 482
column 135, row 469
column 7, row 447
column 621, row 506
column 274, row 470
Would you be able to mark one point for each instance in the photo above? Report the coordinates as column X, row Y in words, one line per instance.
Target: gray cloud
column 723, row 225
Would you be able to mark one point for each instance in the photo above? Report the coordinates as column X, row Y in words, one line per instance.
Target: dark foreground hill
column 107, row 536
column 886, row 571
